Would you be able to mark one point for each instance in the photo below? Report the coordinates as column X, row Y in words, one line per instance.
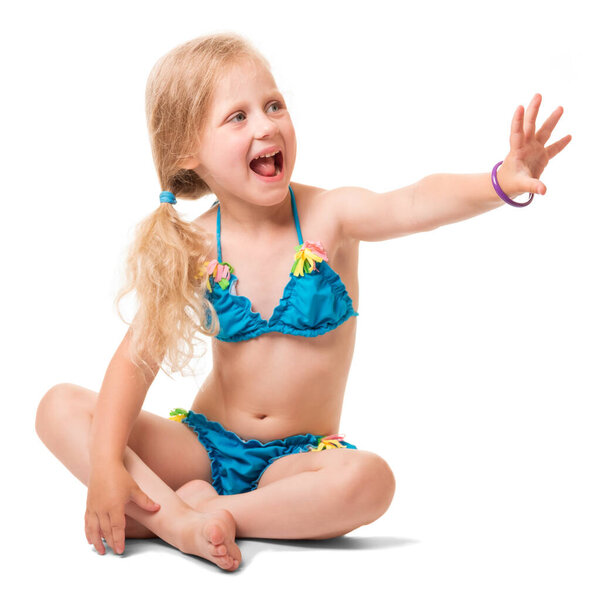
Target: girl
column 258, row 454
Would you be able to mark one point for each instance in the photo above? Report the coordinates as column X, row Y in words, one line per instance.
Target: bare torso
column 277, row 385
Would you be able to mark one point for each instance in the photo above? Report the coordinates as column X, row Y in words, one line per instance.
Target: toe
column 220, row 550
column 215, row 534
column 225, row 562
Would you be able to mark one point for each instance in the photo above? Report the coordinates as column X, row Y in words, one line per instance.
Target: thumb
column 535, row 186
column 143, row 501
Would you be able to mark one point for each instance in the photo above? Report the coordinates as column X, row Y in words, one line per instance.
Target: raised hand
column 528, row 156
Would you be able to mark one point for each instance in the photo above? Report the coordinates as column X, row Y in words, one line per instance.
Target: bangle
column 502, row 194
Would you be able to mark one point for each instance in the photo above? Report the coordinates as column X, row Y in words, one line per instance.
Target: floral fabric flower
column 220, row 272
column 326, row 442
column 307, row 255
column 178, row 414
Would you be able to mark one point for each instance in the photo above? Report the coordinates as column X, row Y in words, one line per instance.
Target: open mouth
column 268, row 166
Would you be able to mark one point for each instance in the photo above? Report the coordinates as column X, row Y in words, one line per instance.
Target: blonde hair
column 165, row 262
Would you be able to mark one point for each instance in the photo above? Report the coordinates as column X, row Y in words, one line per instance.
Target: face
column 247, row 117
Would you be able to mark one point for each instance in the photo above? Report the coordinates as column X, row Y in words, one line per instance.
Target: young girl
column 270, row 271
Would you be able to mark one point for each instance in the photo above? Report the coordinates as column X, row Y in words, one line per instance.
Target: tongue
column 264, row 166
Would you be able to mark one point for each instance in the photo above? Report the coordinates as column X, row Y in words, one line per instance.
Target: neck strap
column 296, row 221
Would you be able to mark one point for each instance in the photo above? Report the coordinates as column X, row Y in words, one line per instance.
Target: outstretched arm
column 441, row 199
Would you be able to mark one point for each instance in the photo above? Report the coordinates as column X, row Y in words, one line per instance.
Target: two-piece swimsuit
column 314, row 302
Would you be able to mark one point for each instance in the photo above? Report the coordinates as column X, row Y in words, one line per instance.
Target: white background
column 475, row 369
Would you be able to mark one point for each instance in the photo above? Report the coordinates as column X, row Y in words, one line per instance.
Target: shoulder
column 313, row 203
column 328, row 202
column 341, row 204
column 207, row 221
column 207, row 224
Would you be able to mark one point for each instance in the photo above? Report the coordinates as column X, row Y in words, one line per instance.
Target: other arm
column 110, row 486
column 119, row 402
column 425, row 205
column 441, row 199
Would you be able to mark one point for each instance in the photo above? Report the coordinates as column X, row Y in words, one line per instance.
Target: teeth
column 267, row 155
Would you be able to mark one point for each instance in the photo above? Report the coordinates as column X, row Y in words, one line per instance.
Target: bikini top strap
column 296, row 221
column 219, row 234
column 296, row 216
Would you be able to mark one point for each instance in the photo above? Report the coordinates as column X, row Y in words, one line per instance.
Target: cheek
column 222, row 157
column 291, row 136
column 231, row 153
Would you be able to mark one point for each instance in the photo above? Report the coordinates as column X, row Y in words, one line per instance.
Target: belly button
column 261, row 416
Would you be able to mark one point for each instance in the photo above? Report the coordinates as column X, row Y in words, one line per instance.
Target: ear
column 190, row 163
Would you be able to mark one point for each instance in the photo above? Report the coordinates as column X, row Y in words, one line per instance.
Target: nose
column 264, row 127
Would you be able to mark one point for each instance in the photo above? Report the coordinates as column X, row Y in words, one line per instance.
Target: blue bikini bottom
column 236, row 464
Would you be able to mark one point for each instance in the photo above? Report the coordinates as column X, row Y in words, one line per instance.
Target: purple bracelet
column 502, row 194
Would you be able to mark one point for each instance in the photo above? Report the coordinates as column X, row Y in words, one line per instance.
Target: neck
column 248, row 218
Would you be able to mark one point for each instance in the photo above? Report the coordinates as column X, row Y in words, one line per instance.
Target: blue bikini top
column 314, row 300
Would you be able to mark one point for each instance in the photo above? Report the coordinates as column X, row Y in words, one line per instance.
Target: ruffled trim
column 262, row 326
column 215, row 455
column 216, row 426
column 307, row 255
column 323, row 443
column 276, row 325
column 315, row 444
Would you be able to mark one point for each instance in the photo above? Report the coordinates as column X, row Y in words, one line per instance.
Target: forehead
column 241, row 80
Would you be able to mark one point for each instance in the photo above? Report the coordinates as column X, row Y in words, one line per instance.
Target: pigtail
column 165, row 264
column 164, row 267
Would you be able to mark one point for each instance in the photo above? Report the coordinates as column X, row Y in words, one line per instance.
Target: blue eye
column 275, row 104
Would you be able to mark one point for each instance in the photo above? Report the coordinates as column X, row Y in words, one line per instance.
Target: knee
column 54, row 407
column 371, row 485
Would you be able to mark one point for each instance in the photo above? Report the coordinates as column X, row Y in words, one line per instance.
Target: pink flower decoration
column 210, row 266
column 222, row 273
column 317, row 248
column 219, row 272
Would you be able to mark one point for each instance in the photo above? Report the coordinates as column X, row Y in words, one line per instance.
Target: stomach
column 277, row 385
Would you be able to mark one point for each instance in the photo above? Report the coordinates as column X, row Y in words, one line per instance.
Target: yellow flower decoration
column 178, row 414
column 307, row 254
column 332, row 441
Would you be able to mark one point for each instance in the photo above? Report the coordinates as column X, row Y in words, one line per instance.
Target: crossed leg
column 63, row 423
column 310, row 495
column 306, row 495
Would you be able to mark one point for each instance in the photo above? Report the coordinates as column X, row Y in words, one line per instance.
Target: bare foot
column 193, row 493
column 211, row 535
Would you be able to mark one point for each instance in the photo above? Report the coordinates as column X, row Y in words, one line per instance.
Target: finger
column 531, row 115
column 535, row 186
column 87, row 529
column 555, row 148
column 516, row 129
column 143, row 501
column 92, row 532
column 118, row 532
column 107, row 530
column 544, row 132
